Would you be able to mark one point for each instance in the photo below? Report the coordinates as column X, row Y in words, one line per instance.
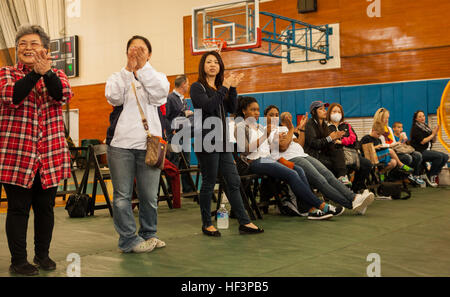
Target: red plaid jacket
column 32, row 132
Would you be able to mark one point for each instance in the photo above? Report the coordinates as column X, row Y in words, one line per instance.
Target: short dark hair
column 202, row 74
column 145, row 40
column 179, row 80
column 396, row 123
column 268, row 108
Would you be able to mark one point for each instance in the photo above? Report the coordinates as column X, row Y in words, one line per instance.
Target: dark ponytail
column 244, row 102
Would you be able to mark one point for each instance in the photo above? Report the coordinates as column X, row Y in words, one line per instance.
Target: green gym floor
column 412, row 238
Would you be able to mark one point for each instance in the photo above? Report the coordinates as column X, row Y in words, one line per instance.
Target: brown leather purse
column 156, row 145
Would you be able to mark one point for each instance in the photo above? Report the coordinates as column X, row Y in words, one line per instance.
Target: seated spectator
column 320, row 143
column 349, row 141
column 252, row 142
column 412, row 160
column 422, row 139
column 399, row 135
column 285, row 145
column 383, row 153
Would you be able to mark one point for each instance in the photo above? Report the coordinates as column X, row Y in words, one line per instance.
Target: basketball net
column 214, row 44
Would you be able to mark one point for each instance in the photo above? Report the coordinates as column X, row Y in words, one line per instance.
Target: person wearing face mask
column 320, row 143
column 335, row 119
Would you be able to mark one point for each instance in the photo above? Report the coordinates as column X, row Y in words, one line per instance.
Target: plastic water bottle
column 222, row 217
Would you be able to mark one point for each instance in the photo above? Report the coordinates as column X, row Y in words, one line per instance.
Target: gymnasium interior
column 362, row 54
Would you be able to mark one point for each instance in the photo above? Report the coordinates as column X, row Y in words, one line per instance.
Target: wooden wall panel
column 406, row 43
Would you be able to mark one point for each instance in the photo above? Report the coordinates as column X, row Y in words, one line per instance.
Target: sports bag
column 77, row 205
column 394, row 190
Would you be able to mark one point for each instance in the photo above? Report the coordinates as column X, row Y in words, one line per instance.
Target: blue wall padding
column 401, row 99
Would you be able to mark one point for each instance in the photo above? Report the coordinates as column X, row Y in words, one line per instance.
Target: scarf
column 424, row 127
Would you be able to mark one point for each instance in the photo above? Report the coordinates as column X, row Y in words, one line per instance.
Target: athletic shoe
column 434, row 180
column 319, row 215
column 362, row 201
column 344, row 179
column 158, row 243
column 144, row 247
column 335, row 210
column 365, row 193
column 419, row 181
column 431, row 183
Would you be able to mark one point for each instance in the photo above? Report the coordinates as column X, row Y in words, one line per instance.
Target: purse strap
column 144, row 119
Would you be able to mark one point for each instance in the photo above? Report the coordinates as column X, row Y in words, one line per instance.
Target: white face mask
column 336, row 117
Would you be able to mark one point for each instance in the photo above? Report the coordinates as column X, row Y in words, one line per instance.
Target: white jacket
column 152, row 89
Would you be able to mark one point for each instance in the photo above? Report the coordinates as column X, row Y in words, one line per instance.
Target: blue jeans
column 295, row 178
column 413, row 160
column 323, row 179
column 210, row 165
column 437, row 159
column 125, row 165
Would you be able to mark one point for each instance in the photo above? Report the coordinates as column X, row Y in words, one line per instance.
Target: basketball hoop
column 214, row 44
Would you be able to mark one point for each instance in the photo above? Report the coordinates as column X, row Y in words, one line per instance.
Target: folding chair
column 249, row 188
column 185, row 169
column 100, row 175
column 75, row 152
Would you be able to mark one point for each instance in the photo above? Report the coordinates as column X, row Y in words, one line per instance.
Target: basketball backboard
column 234, row 22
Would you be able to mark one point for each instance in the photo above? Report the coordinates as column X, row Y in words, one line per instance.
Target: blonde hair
column 378, row 122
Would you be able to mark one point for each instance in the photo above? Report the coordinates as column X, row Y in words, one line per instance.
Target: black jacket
column 417, row 135
column 214, row 104
column 316, row 145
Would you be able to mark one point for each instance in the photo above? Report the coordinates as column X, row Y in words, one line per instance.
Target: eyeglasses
column 33, row 44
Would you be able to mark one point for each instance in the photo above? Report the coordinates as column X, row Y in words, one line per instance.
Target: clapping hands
column 233, row 80
column 42, row 61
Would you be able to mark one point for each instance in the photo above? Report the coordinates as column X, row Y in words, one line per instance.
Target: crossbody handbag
column 156, row 145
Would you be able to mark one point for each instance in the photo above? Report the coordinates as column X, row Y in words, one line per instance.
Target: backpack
column 78, row 205
column 394, row 190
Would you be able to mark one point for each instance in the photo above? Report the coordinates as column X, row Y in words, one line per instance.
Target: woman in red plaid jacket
column 34, row 155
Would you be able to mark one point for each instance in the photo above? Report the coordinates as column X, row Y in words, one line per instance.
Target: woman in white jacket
column 126, row 139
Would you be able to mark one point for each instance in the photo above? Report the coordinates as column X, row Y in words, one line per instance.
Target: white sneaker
column 362, row 201
column 434, row 181
column 428, row 181
column 144, row 247
column 157, row 242
column 363, row 211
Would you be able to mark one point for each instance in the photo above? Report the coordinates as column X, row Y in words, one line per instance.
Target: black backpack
column 394, row 190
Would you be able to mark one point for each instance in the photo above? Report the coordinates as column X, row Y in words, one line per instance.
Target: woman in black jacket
column 216, row 96
column 422, row 138
column 320, row 143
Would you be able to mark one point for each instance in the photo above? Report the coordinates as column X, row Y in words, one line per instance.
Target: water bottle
column 222, row 217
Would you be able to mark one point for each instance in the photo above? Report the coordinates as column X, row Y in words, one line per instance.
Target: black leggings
column 19, row 202
column 334, row 160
